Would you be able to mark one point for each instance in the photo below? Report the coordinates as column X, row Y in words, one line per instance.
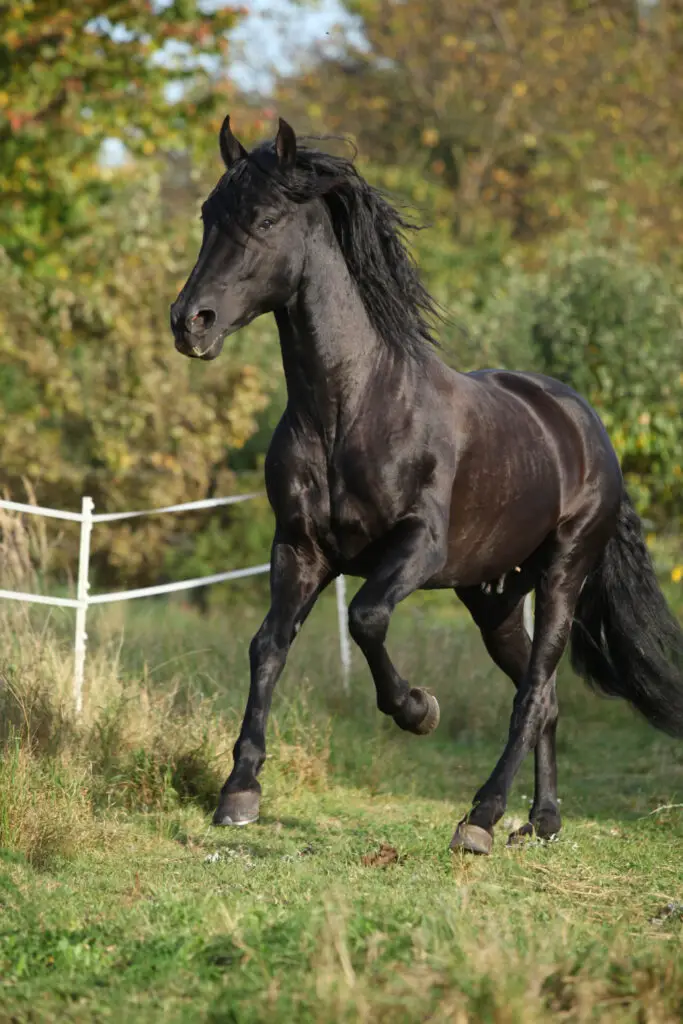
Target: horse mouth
column 189, row 347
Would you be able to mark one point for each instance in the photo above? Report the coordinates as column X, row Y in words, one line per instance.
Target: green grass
column 119, row 901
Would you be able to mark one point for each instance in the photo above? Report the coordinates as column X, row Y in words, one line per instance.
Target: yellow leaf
column 430, row 137
column 520, row 89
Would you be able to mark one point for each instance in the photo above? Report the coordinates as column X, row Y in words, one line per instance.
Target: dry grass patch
column 45, row 808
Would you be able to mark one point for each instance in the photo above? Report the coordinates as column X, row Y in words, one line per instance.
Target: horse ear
column 285, row 145
column 231, row 149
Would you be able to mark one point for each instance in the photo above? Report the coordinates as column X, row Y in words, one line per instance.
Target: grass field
column 118, row 901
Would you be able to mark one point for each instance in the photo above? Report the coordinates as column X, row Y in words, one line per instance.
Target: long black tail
column 625, row 640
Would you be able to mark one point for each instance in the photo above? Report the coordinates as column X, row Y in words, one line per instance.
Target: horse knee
column 266, row 646
column 368, row 624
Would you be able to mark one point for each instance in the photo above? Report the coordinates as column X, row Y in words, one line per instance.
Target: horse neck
column 330, row 352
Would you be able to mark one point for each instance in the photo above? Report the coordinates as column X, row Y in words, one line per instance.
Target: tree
column 75, row 74
column 93, row 397
column 534, row 115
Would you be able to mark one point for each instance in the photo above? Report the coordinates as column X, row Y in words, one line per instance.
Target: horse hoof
column 547, row 823
column 472, row 839
column 238, row 808
column 431, row 719
column 521, row 835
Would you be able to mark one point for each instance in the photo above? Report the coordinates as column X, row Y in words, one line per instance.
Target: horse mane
column 371, row 233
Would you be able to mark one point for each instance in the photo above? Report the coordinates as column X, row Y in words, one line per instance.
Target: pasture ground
column 119, row 902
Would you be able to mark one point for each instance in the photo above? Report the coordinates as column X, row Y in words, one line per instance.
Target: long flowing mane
column 370, row 231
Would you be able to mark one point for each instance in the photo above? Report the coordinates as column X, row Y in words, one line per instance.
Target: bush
column 95, row 400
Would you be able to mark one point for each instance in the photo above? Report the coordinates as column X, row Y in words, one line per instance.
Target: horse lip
column 187, row 347
column 214, row 349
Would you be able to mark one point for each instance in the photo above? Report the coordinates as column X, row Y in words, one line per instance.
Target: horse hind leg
column 502, row 626
column 575, row 548
column 510, row 648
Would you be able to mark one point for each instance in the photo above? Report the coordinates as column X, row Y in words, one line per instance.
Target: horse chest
column 343, row 499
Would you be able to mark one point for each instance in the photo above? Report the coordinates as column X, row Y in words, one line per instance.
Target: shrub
column 95, row 400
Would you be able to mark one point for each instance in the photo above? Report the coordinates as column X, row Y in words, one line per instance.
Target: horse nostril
column 202, row 320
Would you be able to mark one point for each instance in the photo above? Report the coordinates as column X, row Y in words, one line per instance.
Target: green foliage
column 73, row 75
column 93, row 397
column 233, row 538
column 533, row 116
column 96, row 399
column 486, row 119
column 44, row 812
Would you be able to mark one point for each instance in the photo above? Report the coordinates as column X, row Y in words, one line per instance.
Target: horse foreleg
column 297, row 577
column 417, row 553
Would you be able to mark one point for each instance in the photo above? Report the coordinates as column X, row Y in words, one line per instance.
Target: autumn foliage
column 532, row 115
column 94, row 398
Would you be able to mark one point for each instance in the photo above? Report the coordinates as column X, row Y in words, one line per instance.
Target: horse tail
column 624, row 640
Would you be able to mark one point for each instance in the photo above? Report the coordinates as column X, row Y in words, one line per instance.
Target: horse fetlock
column 546, row 821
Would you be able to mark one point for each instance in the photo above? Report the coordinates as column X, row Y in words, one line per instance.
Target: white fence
column 84, row 599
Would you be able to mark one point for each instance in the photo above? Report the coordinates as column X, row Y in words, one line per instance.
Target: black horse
column 390, row 466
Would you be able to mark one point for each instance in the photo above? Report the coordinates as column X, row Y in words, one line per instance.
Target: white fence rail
column 83, row 600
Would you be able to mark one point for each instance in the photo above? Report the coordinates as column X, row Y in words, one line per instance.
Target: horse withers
column 391, row 466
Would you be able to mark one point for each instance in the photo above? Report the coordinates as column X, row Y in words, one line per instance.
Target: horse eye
column 266, row 224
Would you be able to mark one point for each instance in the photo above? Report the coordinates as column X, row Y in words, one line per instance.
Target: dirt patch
column 385, row 856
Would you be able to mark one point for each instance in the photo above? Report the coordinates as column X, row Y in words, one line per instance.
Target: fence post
column 529, row 616
column 87, row 506
column 344, row 646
